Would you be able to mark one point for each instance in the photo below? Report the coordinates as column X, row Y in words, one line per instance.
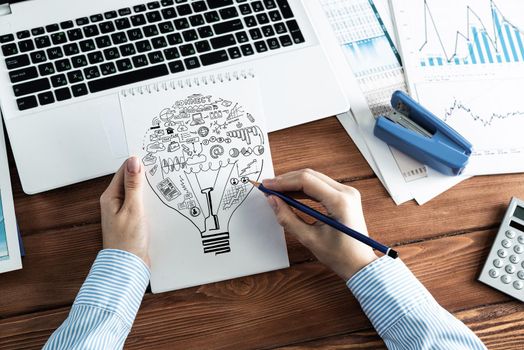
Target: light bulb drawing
column 199, row 155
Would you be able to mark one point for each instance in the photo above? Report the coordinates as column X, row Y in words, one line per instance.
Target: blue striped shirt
column 403, row 312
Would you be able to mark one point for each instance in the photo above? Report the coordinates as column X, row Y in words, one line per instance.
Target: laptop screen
column 9, row 1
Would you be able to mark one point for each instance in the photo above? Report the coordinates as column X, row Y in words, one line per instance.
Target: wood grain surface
column 444, row 242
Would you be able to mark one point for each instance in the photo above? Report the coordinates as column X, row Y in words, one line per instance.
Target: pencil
column 329, row 221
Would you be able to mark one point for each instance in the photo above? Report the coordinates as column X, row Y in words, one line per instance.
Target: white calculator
column 504, row 268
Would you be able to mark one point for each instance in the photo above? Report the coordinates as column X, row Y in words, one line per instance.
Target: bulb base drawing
column 217, row 243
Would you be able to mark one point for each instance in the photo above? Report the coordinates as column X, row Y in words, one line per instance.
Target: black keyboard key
column 143, row 46
column 55, row 52
column 159, row 42
column 270, row 4
column 131, row 77
column 111, row 53
column 37, row 31
column 17, row 61
column 250, row 21
column 59, row 80
column 135, row 34
column 245, row 9
column 46, row 69
column 79, row 61
column 46, row 98
column 153, row 16
column 66, row 25
column 63, row 65
column 212, row 17
column 168, row 2
column 257, row 6
column 155, row 57
column 228, row 26
column 91, row 31
column 262, row 18
column 268, row 31
column 181, row 23
column 87, row 45
column 273, row 43
column 124, row 65
column 31, row 87
column 91, row 72
column 202, row 46
column 214, row 57
column 260, row 46
column 199, row 6
column 6, row 38
column 27, row 103
column 176, row 66
column 95, row 57
column 79, row 90
column 110, row 15
column 62, row 94
column 23, row 74
column 247, row 50
column 103, row 41
column 71, row 49
column 241, row 37
column 184, row 10
column 24, row 34
column 168, row 13
column 285, row 8
column 124, row 12
column 285, row 40
column 213, row 4
column 122, row 23
column 166, row 27
column 82, row 21
column 139, row 8
column 58, row 38
column 191, row 63
column 140, row 61
column 75, row 76
column 38, row 57
column 127, row 50
column 28, row 45
column 96, row 18
column 106, row 27
column 190, row 35
column 171, row 53
column 205, row 32
column 74, row 34
column 108, row 68
column 294, row 29
column 174, row 39
column 52, row 28
column 138, row 20
column 280, row 28
column 153, row 5
column 228, row 12
column 187, row 50
column 223, row 41
column 234, row 52
column 275, row 16
column 196, row 20
column 150, row 31
column 119, row 38
column 255, row 33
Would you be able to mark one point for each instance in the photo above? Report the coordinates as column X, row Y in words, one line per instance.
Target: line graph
column 486, row 121
column 499, row 43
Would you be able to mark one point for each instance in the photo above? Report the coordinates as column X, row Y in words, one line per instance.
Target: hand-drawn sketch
column 199, row 155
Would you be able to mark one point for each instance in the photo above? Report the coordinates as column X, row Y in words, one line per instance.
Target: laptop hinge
column 5, row 9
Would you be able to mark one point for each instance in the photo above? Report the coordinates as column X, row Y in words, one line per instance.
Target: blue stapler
column 418, row 133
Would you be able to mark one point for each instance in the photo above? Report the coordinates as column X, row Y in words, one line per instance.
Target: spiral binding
column 179, row 84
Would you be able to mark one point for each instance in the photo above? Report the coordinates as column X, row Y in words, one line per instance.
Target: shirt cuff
column 387, row 290
column 117, row 283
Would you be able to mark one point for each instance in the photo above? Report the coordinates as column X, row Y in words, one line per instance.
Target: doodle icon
column 197, row 119
column 168, row 189
column 216, row 151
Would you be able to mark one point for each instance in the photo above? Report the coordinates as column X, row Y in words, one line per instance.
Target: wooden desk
column 444, row 242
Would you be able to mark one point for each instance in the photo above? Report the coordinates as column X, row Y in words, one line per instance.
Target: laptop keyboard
column 103, row 51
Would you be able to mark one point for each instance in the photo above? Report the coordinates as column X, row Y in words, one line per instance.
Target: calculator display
column 519, row 213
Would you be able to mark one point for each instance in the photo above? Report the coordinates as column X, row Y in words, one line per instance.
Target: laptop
column 64, row 63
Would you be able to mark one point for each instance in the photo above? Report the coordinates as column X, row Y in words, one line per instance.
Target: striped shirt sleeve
column 105, row 308
column 404, row 313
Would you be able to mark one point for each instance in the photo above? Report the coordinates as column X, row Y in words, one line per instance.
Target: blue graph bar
column 510, row 39
column 439, row 61
column 472, row 54
column 519, row 42
column 499, row 58
column 477, row 44
column 457, row 61
column 431, row 62
column 486, row 46
column 501, row 35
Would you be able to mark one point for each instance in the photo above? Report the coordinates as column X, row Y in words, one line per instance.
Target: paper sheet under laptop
column 200, row 141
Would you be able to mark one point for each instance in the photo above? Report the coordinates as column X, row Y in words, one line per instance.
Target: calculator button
column 510, row 234
column 521, row 239
column 514, row 259
column 506, row 243
column 518, row 285
column 510, row 269
column 494, row 273
column 498, row 263
column 520, row 274
column 502, row 253
column 506, row 279
column 518, row 249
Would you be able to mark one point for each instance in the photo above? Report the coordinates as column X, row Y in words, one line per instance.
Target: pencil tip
column 254, row 183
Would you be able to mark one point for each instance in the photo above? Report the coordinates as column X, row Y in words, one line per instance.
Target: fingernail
column 133, row 165
column 272, row 202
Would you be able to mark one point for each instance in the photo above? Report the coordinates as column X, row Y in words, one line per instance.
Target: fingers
column 133, row 181
column 290, row 221
column 114, row 193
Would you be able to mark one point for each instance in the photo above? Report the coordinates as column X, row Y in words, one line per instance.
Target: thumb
column 133, row 180
column 290, row 221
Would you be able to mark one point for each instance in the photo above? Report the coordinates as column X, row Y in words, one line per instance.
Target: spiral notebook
column 200, row 141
